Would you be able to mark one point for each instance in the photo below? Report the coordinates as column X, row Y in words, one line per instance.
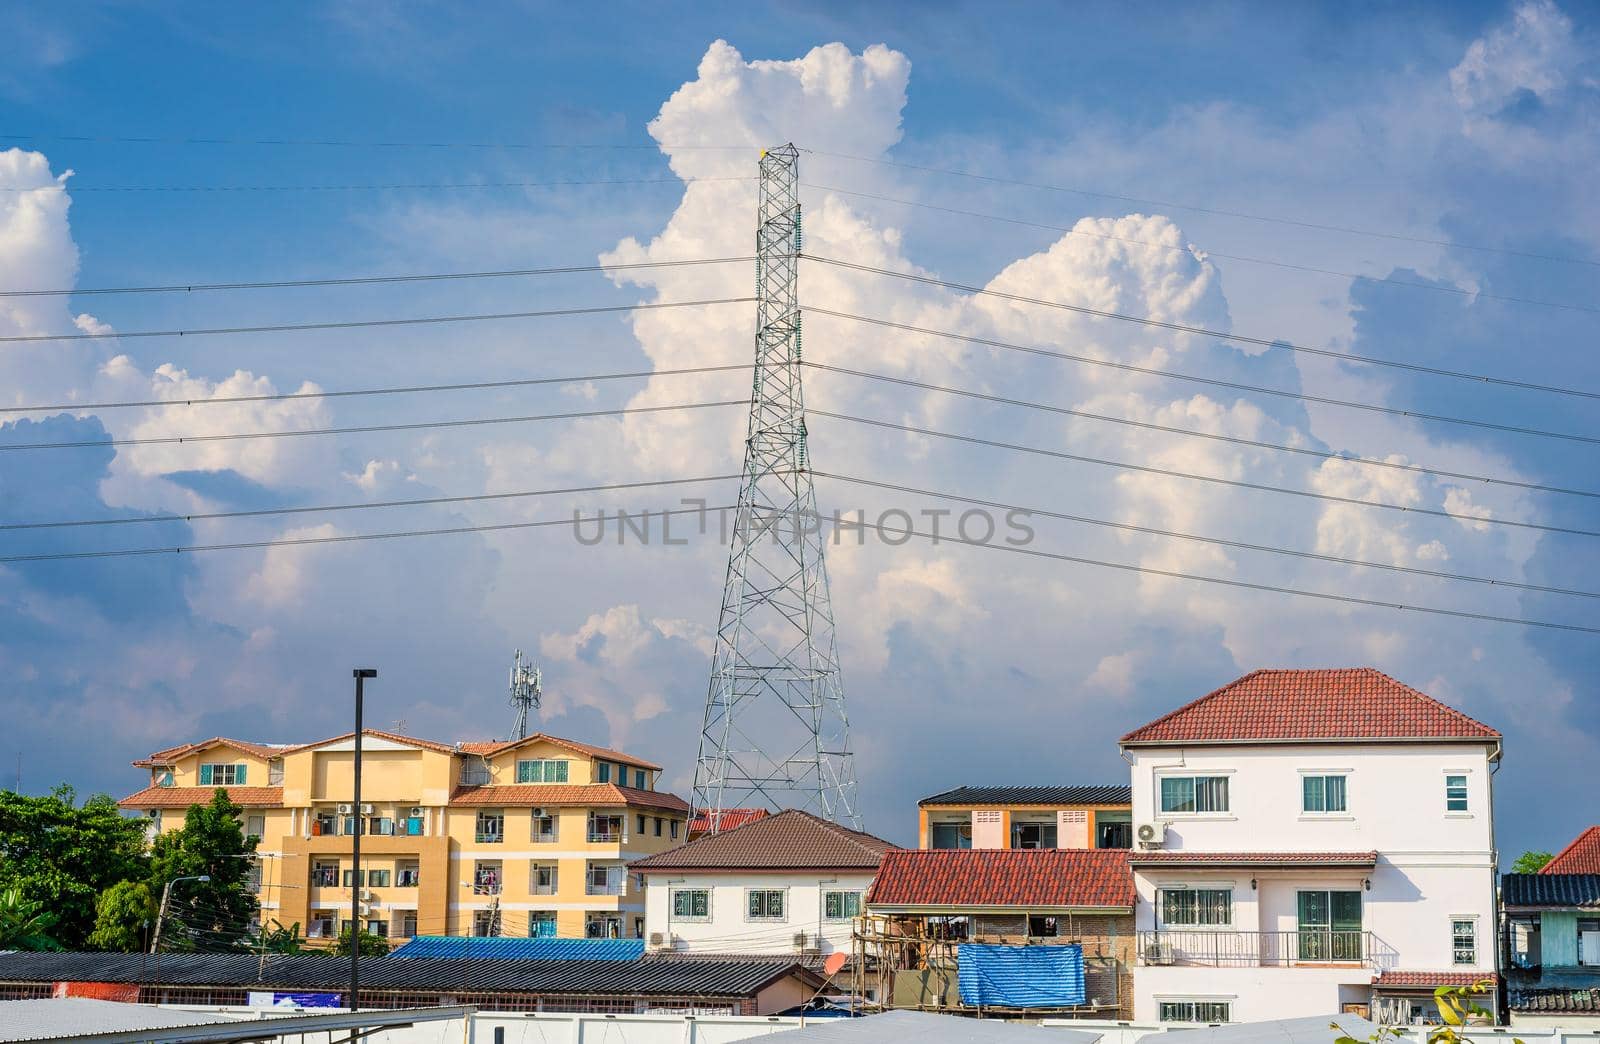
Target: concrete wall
column 729, row 929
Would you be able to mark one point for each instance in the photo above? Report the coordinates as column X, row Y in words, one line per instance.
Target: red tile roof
column 1431, row 979
column 562, row 795
column 183, row 797
column 1582, row 856
column 1180, row 857
column 1035, row 878
column 395, row 737
column 1349, row 704
column 172, row 754
column 603, row 753
column 788, row 840
column 705, row 821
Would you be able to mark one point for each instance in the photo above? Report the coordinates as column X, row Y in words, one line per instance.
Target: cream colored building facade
column 528, row 837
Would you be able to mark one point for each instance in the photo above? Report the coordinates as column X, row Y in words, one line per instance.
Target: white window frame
column 688, row 918
column 535, row 869
column 1162, row 924
column 1342, row 813
column 1466, row 786
column 842, row 893
column 230, row 769
column 1193, row 774
column 1193, row 1003
column 1471, row 920
column 783, row 902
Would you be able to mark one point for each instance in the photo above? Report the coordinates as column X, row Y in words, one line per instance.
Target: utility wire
column 1216, row 211
column 74, row 189
column 362, row 505
column 1171, row 473
column 896, row 531
column 1234, row 439
column 369, row 144
column 351, row 324
column 72, row 407
column 1208, row 253
column 413, row 426
column 348, row 538
column 1202, row 331
column 1217, row 541
column 1214, row 382
column 427, row 277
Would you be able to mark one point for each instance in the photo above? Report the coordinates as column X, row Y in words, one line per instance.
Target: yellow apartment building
column 1027, row 817
column 526, row 837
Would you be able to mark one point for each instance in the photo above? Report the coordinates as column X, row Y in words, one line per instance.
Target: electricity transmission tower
column 775, row 732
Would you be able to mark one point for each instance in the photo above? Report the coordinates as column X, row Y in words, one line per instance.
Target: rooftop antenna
column 526, row 692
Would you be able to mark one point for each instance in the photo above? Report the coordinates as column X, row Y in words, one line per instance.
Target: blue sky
column 1469, row 123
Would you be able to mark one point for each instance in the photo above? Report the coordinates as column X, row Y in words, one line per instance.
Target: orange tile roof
column 1344, row 704
column 603, row 753
column 787, row 840
column 1005, row 877
column 183, row 797
column 1582, row 856
column 705, row 821
column 172, row 754
column 1179, row 857
column 1432, row 979
column 534, row 795
column 394, row 737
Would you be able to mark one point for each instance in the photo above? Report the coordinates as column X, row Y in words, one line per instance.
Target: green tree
column 24, row 923
column 371, row 945
column 1531, row 862
column 124, row 917
column 62, row 855
column 278, row 939
column 219, row 914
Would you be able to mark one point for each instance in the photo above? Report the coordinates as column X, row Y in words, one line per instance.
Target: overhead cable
column 352, row 324
column 1201, row 331
column 1171, row 473
column 125, row 139
column 1089, row 360
column 1215, row 211
column 74, row 189
column 1173, row 534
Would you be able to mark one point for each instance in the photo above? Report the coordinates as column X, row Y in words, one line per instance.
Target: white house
column 789, row 883
column 1311, row 841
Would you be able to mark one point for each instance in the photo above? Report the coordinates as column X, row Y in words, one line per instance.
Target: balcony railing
column 486, row 888
column 407, row 879
column 489, row 837
column 1225, row 949
column 543, row 889
column 603, row 834
column 606, row 888
column 324, row 880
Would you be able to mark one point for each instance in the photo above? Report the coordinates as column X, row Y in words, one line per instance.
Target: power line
column 1234, row 439
column 351, row 324
column 1074, row 231
column 1216, row 211
column 1202, row 331
column 82, row 407
column 427, row 277
column 1218, row 541
column 574, row 182
column 413, row 426
column 348, row 538
column 360, row 505
column 1212, row 381
column 1201, row 578
column 370, row 144
column 1171, row 473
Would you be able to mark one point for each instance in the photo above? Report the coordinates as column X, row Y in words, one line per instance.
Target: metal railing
column 1223, row 949
column 486, row 888
column 489, row 837
column 606, row 888
column 602, row 834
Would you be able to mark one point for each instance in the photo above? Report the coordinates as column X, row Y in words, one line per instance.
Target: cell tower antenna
column 526, row 692
column 775, row 732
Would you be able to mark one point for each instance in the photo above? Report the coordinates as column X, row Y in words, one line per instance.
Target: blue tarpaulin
column 1021, row 976
column 518, row 949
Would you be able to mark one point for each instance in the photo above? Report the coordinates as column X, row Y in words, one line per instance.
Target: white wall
column 729, row 930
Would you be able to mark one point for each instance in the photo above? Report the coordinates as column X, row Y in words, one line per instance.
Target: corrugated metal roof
column 1573, row 1000
column 422, row 974
column 1090, row 794
column 896, row 1027
column 73, row 1017
column 1565, row 890
column 512, row 948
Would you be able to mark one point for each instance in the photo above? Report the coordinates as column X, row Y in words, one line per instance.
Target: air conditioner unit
column 1152, row 835
column 800, row 940
column 538, row 813
column 366, row 810
column 416, row 812
column 1157, row 953
column 658, row 939
column 368, row 895
column 344, row 810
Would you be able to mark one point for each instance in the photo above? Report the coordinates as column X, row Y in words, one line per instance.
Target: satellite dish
column 835, row 962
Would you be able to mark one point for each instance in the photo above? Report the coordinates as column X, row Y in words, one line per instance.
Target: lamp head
column 365, row 672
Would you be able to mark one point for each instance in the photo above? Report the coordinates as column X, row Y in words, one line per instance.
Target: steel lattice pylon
column 775, row 732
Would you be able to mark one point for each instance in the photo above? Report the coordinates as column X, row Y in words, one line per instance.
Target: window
column 691, row 904
column 1194, row 1011
column 1043, row 926
column 485, row 923
column 952, row 835
column 1330, row 926
column 1322, row 794
column 545, row 829
column 491, row 827
column 542, row 925
column 606, row 880
column 638, row 779
column 1464, row 940
column 1455, row 793
column 486, row 879
column 1196, row 906
column 410, row 875
column 605, row 828
column 378, row 928
column 378, row 878
column 352, row 878
column 252, row 881
column 542, row 879
column 320, row 925
column 1033, row 835
column 222, row 775
column 324, row 875
column 658, row 827
column 383, row 825
column 1193, row 794
column 841, row 906
column 764, row 904
column 640, row 826
column 605, row 772
column 164, row 779
column 408, row 925
column 1113, row 830
column 256, row 826
column 542, row 771
column 674, row 829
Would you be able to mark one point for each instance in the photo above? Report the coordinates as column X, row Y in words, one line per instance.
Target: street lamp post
column 361, row 675
column 161, row 912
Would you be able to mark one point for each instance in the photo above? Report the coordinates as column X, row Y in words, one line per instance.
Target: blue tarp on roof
column 507, row 948
column 1020, row 976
